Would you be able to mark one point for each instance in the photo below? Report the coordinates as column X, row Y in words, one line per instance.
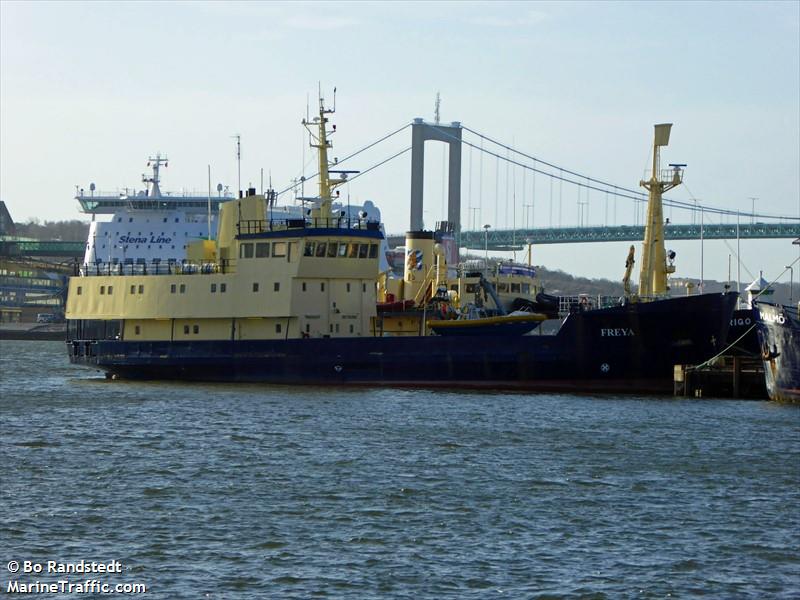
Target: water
column 254, row 491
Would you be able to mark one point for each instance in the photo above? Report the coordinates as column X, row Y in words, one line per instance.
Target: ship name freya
column 617, row 332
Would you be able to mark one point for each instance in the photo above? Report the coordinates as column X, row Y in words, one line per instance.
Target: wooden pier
column 726, row 377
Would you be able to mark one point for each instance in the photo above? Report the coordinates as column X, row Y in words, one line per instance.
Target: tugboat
column 295, row 301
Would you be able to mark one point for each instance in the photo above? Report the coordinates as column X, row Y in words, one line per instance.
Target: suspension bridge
column 522, row 183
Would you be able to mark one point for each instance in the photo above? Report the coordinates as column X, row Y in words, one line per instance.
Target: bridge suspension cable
column 611, row 188
column 349, row 156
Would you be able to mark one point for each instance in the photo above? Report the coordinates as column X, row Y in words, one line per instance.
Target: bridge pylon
column 450, row 135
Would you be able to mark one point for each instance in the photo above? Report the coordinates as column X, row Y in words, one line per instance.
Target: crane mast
column 655, row 270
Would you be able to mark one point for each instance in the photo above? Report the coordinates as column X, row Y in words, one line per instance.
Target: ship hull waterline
column 629, row 348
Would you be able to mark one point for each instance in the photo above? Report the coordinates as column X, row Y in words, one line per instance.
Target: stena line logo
column 617, row 332
column 128, row 239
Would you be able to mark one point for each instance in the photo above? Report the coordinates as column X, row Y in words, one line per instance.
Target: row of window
column 317, row 249
column 223, row 287
column 514, row 288
column 109, row 290
column 128, row 233
column 149, row 246
column 195, row 329
column 130, row 219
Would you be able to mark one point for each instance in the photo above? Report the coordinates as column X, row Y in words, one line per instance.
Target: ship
column 296, row 301
column 778, row 329
column 133, row 230
column 146, row 226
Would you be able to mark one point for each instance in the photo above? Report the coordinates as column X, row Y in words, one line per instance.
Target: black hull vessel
column 779, row 338
column 630, row 348
column 742, row 335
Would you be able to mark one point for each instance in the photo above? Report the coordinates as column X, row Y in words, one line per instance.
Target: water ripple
column 260, row 491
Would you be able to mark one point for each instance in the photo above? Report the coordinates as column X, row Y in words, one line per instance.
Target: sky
column 89, row 90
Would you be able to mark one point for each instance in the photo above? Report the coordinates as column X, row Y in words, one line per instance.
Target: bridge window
column 332, row 249
column 278, row 249
column 526, row 288
column 246, row 251
column 262, row 250
column 342, row 250
column 352, row 250
column 321, row 249
column 363, row 250
column 373, row 250
column 309, row 249
column 515, row 288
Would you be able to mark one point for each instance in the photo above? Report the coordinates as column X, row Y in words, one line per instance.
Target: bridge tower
column 653, row 276
column 448, row 134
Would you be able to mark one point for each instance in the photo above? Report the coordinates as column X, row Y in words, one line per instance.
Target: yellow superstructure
column 262, row 279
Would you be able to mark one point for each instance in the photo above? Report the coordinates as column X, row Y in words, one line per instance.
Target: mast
column 320, row 141
column 154, row 191
column 653, row 276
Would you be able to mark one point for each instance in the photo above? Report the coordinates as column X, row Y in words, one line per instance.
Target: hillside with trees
column 66, row 231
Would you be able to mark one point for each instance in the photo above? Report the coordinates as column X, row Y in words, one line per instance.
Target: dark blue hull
column 779, row 339
column 626, row 349
column 742, row 335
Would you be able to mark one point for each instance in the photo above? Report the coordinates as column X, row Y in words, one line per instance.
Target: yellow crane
column 654, row 272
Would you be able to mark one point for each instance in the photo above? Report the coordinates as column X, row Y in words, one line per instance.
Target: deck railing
column 257, row 226
column 156, row 268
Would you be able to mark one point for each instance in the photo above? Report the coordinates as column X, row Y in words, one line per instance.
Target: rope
column 707, row 363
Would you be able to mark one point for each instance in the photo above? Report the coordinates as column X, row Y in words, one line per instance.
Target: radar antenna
column 153, row 190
